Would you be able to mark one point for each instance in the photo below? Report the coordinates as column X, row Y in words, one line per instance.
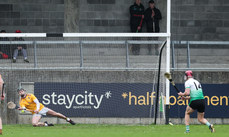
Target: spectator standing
column 5, row 52
column 19, row 48
column 136, row 19
column 152, row 18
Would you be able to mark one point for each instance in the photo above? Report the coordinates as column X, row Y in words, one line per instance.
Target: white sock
column 208, row 124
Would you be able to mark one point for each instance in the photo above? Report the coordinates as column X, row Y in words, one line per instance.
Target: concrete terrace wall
column 32, row 15
column 191, row 19
column 200, row 19
column 110, row 16
column 65, row 15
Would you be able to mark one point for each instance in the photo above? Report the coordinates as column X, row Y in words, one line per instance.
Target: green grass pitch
column 93, row 130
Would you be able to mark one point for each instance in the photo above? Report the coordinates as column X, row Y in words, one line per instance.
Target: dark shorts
column 198, row 105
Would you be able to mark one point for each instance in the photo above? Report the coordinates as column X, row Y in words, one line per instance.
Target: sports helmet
column 19, row 89
column 188, row 73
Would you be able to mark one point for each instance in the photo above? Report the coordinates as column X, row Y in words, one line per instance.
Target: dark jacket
column 136, row 13
column 149, row 20
column 5, row 48
column 14, row 46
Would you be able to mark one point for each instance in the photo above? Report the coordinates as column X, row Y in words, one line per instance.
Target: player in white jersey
column 193, row 91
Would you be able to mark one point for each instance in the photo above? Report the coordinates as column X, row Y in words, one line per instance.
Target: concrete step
column 121, row 50
column 71, row 51
column 20, row 65
column 202, row 51
column 107, row 59
column 90, row 59
column 203, row 59
column 200, row 65
column 113, row 61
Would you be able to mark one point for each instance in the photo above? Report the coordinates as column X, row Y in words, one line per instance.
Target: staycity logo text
column 76, row 101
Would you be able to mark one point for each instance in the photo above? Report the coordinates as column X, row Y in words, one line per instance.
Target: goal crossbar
column 84, row 34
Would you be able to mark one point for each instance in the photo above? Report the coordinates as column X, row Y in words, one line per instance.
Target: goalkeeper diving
column 31, row 103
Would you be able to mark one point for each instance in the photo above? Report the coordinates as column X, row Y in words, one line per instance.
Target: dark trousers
column 135, row 48
column 153, row 27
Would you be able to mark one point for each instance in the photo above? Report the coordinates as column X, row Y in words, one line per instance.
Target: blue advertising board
column 123, row 99
column 96, row 99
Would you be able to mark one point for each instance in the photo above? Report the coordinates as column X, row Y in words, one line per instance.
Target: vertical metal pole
column 173, row 55
column 81, row 54
column 168, row 59
column 188, row 55
column 127, row 54
column 35, row 54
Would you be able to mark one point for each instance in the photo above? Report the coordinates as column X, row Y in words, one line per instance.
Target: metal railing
column 122, row 42
column 190, row 43
column 81, row 43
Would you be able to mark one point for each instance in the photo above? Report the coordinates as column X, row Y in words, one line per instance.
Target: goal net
column 104, row 76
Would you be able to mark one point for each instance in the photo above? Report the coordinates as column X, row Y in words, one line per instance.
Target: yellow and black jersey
column 28, row 103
